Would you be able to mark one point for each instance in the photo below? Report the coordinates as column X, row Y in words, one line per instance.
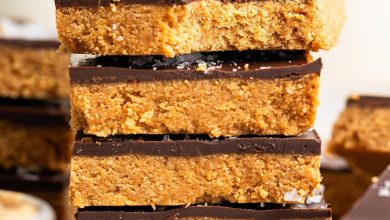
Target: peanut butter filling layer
column 142, row 180
column 137, row 28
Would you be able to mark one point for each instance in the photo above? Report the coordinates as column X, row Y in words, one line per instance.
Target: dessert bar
column 144, row 170
column 32, row 69
column 362, row 134
column 35, row 134
column 219, row 94
column 165, row 27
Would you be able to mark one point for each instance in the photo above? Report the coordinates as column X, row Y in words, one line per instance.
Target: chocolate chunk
column 233, row 64
column 224, row 211
column 21, row 43
column 35, row 112
column 375, row 203
column 369, row 101
column 195, row 145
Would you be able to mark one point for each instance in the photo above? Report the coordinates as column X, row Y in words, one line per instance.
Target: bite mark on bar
column 307, row 144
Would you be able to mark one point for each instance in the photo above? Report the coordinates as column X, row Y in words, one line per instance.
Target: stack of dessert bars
column 196, row 109
column 35, row 138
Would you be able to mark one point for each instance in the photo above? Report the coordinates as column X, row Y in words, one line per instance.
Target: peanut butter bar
column 362, row 134
column 219, row 94
column 35, row 134
column 164, row 27
column 33, row 69
column 374, row 204
column 317, row 211
column 169, row 170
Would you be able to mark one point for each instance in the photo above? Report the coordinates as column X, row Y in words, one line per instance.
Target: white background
column 359, row 64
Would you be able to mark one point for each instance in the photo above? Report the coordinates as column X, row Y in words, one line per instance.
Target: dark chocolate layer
column 369, row 101
column 35, row 112
column 195, row 145
column 228, row 64
column 20, row 180
column 33, row 44
column 375, row 203
column 238, row 211
column 105, row 3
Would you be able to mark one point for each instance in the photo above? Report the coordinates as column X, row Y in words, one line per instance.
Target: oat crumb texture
column 204, row 25
column 139, row 180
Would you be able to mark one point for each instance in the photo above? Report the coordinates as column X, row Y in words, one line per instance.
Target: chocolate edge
column 81, row 75
column 307, row 144
column 33, row 44
column 211, row 211
column 368, row 101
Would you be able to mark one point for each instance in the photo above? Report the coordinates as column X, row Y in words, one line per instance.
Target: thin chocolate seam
column 35, row 112
column 211, row 211
column 307, row 144
column 33, row 44
column 96, row 75
column 369, row 101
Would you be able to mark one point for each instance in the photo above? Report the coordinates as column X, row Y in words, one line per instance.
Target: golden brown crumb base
column 139, row 180
column 342, row 189
column 220, row 107
column 204, row 25
column 33, row 73
column 362, row 136
column 46, row 148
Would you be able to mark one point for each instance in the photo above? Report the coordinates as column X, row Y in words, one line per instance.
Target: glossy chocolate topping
column 35, row 112
column 232, row 211
column 369, row 101
column 375, row 203
column 195, row 145
column 195, row 66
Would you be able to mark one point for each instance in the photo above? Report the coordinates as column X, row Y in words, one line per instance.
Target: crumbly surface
column 362, row 136
column 220, row 107
column 36, row 147
column 204, row 25
column 208, row 218
column 33, row 73
column 139, row 180
column 342, row 189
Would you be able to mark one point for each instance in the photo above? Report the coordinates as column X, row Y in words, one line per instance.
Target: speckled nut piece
column 34, row 135
column 219, row 94
column 362, row 134
column 147, row 27
column 33, row 70
column 180, row 170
